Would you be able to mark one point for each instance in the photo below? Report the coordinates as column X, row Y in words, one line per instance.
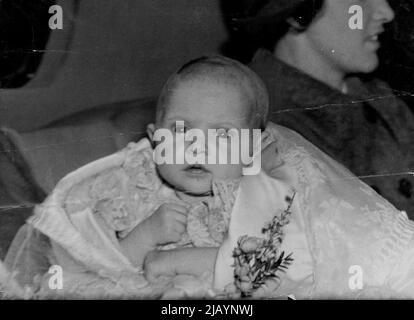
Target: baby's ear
column 150, row 131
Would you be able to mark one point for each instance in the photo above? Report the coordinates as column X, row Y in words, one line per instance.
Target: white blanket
column 339, row 229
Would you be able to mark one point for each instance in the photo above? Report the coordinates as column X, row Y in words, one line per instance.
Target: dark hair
column 253, row 21
column 306, row 12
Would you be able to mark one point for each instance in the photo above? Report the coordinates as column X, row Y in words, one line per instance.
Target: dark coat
column 369, row 130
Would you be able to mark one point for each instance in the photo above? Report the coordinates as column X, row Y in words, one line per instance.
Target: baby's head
column 209, row 93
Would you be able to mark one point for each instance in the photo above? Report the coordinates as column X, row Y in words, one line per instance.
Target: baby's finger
column 180, row 228
column 156, row 268
column 180, row 217
column 178, row 207
column 152, row 266
column 153, row 277
column 156, row 276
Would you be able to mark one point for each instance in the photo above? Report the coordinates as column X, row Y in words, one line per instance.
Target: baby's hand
column 166, row 224
column 159, row 264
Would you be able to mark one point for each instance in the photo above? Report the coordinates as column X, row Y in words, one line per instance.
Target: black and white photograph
column 207, row 150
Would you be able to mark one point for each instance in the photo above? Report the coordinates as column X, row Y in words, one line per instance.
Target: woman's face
column 345, row 49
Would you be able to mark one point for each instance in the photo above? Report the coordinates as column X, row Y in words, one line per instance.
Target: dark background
column 397, row 54
column 24, row 34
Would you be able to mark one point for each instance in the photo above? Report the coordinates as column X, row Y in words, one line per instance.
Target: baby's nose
column 196, row 149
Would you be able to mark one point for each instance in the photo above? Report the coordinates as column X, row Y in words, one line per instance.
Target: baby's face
column 204, row 104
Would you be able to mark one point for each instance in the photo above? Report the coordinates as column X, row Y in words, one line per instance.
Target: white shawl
column 338, row 225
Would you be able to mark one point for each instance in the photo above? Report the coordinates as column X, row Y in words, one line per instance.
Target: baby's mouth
column 196, row 169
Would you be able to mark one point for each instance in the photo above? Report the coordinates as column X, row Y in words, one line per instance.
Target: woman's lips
column 374, row 37
column 373, row 41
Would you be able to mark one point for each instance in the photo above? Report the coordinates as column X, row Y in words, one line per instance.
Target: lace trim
column 124, row 194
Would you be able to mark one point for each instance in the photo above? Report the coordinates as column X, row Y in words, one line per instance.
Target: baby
column 131, row 210
column 208, row 93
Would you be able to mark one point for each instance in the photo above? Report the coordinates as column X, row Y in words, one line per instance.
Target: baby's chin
column 195, row 187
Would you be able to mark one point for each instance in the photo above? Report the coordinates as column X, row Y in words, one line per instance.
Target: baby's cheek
column 168, row 172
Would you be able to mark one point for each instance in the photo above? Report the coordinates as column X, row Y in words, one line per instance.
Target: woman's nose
column 383, row 11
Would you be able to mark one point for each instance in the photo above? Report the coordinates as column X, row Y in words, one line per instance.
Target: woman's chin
column 369, row 64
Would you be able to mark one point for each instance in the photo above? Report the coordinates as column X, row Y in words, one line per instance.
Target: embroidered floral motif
column 257, row 260
column 107, row 185
column 140, row 168
column 114, row 212
column 208, row 222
